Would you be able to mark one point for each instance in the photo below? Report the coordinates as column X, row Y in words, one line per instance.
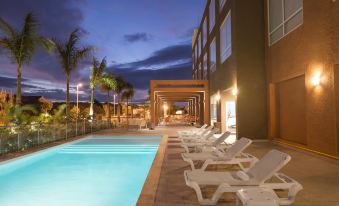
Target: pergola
column 193, row 92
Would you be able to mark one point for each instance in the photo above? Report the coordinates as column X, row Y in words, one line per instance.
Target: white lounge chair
column 256, row 176
column 196, row 135
column 209, row 146
column 191, row 131
column 204, row 138
column 233, row 155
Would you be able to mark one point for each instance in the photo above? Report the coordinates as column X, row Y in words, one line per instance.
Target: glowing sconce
column 234, row 91
column 316, row 80
column 217, row 97
column 165, row 107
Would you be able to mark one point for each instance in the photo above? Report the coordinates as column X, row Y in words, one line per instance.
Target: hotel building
column 273, row 69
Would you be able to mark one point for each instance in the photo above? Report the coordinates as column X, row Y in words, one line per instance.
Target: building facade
column 277, row 61
column 302, row 58
column 228, row 50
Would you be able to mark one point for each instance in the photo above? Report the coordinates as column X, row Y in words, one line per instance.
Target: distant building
column 273, row 69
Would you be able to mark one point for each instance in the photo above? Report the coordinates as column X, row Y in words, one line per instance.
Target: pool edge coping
column 150, row 187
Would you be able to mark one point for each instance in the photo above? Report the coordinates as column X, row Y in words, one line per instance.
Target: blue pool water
column 96, row 171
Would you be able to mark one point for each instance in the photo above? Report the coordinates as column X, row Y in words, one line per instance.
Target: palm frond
column 80, row 55
column 7, row 29
column 63, row 56
column 27, row 38
column 48, row 44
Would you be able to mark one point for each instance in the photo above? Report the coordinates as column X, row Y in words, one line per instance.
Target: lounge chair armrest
column 287, row 183
column 186, row 148
column 222, row 188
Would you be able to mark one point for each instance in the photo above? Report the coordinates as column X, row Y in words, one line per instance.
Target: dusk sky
column 141, row 39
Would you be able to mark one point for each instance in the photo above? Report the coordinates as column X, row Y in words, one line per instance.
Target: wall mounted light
column 165, row 107
column 217, row 97
column 234, row 91
column 316, row 80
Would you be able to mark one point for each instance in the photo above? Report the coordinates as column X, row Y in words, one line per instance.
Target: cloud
column 140, row 78
column 137, row 37
column 170, row 54
column 56, row 19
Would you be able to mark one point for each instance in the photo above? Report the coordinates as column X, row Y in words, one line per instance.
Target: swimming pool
column 95, row 171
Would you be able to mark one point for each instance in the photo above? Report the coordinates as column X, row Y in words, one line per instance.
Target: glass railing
column 21, row 137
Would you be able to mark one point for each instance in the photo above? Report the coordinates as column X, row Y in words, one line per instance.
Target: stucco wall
column 310, row 49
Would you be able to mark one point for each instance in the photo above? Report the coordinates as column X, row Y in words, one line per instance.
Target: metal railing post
column 66, row 129
column 18, row 141
column 84, row 127
column 39, row 135
column 76, row 127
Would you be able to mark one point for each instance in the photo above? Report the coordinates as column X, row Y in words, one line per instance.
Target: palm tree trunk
column 18, row 86
column 108, row 108
column 118, row 108
column 91, row 112
column 67, row 97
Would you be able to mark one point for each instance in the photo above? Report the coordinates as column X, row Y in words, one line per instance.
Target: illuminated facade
column 276, row 65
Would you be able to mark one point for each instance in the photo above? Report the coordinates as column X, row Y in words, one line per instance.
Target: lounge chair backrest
column 238, row 147
column 210, row 133
column 204, row 132
column 271, row 163
column 202, row 128
column 221, row 139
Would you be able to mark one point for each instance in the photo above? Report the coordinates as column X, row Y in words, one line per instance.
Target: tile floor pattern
column 318, row 175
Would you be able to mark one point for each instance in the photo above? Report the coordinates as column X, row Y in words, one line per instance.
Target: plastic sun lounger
column 256, row 176
column 233, row 155
column 207, row 137
column 197, row 135
column 191, row 131
column 210, row 146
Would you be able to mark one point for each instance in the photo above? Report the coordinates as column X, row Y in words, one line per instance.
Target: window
column 222, row 4
column 213, row 58
column 204, row 32
column 205, row 67
column 284, row 17
column 225, row 38
column 212, row 15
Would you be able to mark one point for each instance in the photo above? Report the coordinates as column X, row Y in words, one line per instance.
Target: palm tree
column 121, row 84
column 70, row 55
column 127, row 94
column 108, row 83
column 94, row 79
column 21, row 45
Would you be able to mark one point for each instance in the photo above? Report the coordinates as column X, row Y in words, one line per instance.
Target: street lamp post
column 76, row 119
column 114, row 104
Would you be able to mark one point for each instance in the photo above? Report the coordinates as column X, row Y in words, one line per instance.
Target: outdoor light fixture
column 234, row 91
column 218, row 97
column 316, row 80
